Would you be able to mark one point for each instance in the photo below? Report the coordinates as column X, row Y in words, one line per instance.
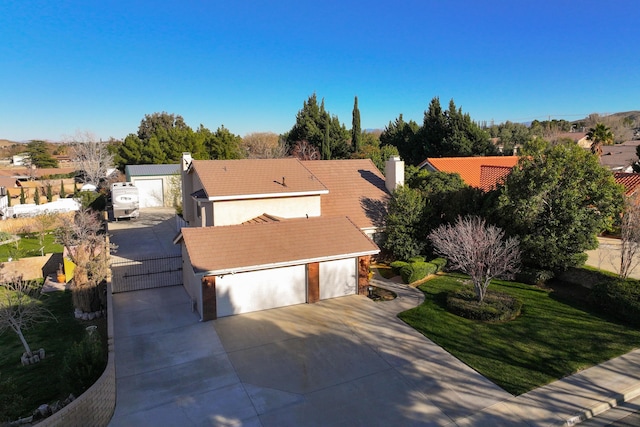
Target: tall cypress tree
column 356, row 131
column 62, row 192
column 36, row 196
column 23, row 198
column 326, row 145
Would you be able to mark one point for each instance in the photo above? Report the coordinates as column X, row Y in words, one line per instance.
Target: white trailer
column 125, row 199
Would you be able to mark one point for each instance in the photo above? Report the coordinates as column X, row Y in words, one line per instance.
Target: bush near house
column 396, row 266
column 416, row 271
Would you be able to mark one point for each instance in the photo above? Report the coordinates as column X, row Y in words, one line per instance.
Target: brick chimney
column 394, row 173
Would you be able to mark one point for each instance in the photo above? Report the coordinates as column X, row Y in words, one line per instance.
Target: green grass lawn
column 29, row 245
column 40, row 383
column 550, row 340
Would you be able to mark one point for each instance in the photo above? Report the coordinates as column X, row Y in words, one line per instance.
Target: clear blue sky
column 100, row 66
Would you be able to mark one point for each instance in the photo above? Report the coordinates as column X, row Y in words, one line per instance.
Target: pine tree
column 49, row 193
column 23, row 199
column 62, row 193
column 326, row 147
column 36, row 196
column 356, row 131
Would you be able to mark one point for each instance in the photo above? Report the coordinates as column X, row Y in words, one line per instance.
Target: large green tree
column 556, row 200
column 402, row 135
column 163, row 137
column 452, row 133
column 312, row 121
column 405, row 236
column 356, row 131
column 40, row 155
column 447, row 196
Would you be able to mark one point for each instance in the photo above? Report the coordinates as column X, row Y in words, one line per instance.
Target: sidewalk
column 565, row 402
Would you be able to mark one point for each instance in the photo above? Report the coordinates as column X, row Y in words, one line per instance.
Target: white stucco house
column 266, row 233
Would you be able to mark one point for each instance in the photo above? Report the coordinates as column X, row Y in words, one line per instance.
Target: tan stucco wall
column 239, row 211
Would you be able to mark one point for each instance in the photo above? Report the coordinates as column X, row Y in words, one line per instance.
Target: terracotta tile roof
column 469, row 168
column 223, row 179
column 246, row 247
column 356, row 189
column 491, row 176
column 630, row 181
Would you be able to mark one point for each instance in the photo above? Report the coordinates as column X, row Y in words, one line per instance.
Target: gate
column 134, row 275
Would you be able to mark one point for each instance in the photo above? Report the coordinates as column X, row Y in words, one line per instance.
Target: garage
column 151, row 193
column 338, row 278
column 260, row 290
column 158, row 185
column 238, row 269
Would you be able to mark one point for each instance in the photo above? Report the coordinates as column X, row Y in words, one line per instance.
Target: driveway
column 347, row 361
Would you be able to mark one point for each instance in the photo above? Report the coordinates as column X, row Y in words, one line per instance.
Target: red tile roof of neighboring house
column 630, row 181
column 246, row 247
column 356, row 189
column 469, row 168
column 491, row 176
column 237, row 179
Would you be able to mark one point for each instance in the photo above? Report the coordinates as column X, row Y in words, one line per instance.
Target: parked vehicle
column 125, row 200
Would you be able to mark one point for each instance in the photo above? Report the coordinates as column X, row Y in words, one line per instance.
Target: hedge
column 618, row 298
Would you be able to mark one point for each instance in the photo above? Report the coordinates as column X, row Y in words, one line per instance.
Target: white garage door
column 151, row 194
column 260, row 290
column 337, row 278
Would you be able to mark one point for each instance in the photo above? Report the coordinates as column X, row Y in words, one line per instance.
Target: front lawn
column 40, row 383
column 551, row 339
column 28, row 246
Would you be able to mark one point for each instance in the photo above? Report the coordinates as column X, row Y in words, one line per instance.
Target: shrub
column 495, row 307
column 5, row 236
column 440, row 263
column 416, row 259
column 618, row 298
column 10, row 399
column 91, row 199
column 534, row 276
column 83, row 363
column 417, row 271
column 396, row 266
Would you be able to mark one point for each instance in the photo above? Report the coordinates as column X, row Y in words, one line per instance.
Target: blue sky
column 100, row 66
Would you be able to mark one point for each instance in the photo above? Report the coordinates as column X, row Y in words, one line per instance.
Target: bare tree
column 629, row 237
column 87, row 247
column 478, row 250
column 91, row 156
column 263, row 145
column 303, row 150
column 20, row 308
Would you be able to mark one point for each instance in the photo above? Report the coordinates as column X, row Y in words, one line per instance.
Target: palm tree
column 599, row 136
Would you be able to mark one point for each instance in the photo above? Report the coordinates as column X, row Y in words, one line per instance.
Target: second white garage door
column 151, row 194
column 260, row 290
column 337, row 278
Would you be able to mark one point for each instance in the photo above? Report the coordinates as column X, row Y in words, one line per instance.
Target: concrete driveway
column 347, row 361
column 342, row 362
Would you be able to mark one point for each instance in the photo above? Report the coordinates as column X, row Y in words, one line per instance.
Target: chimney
column 186, row 161
column 394, row 173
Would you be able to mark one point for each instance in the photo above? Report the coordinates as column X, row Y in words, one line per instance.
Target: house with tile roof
column 266, row 233
column 480, row 172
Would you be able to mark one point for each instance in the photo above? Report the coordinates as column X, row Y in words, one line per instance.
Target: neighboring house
column 480, row 172
column 159, row 185
column 579, row 138
column 22, row 159
column 620, row 157
column 630, row 181
column 266, row 233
